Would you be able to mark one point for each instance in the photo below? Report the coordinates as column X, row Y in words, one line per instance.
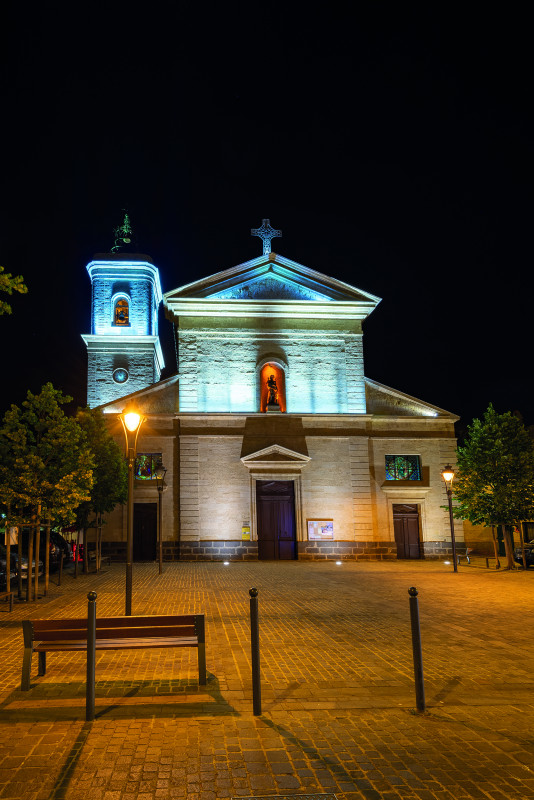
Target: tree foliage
column 495, row 482
column 10, row 283
column 45, row 461
column 110, row 473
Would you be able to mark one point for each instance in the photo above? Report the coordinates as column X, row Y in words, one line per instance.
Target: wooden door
column 145, row 531
column 406, row 528
column 276, row 520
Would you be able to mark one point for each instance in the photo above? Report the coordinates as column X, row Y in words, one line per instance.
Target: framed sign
column 320, row 529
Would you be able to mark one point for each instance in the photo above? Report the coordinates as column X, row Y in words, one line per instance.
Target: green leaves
column 44, row 458
column 10, row 283
column 495, row 484
column 110, row 472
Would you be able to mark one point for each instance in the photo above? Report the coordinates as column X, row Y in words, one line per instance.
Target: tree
column 110, row 474
column 10, row 283
column 46, row 466
column 495, row 482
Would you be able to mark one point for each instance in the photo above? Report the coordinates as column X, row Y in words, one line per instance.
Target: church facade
column 276, row 444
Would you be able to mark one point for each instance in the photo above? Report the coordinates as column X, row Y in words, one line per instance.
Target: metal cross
column 266, row 233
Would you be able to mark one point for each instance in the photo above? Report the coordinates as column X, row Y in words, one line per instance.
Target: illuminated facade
column 123, row 348
column 276, row 445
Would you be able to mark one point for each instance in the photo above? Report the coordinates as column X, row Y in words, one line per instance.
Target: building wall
column 219, row 367
column 102, row 360
column 429, row 494
column 211, row 493
column 134, row 347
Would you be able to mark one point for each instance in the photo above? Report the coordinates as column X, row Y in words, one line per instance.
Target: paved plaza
column 338, row 698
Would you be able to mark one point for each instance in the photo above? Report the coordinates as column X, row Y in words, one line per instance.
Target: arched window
column 272, row 388
column 121, row 314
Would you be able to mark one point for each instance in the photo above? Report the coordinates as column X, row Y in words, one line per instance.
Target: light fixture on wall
column 131, row 422
column 448, row 476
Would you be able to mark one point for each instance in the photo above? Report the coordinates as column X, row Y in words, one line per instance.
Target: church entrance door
column 276, row 520
column 145, row 531
column 406, row 528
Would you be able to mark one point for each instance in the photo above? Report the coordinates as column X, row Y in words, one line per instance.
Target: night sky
column 392, row 144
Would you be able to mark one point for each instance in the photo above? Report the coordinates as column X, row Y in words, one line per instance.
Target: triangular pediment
column 383, row 400
column 274, row 455
column 271, row 277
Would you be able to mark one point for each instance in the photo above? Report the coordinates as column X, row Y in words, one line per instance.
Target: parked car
column 64, row 546
column 529, row 554
column 58, row 545
column 14, row 563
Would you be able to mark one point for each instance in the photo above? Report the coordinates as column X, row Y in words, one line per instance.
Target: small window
column 122, row 312
column 403, row 468
column 145, row 465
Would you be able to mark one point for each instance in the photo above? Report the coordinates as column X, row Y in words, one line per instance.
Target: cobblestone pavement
column 337, row 688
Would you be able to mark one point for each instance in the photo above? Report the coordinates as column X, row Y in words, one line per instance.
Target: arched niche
column 270, row 370
column 121, row 310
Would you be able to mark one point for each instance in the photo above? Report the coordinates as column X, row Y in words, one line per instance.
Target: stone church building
column 275, row 443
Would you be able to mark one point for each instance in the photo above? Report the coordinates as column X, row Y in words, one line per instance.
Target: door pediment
column 275, row 457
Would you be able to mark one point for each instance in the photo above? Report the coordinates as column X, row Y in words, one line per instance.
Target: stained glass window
column 145, row 464
column 122, row 312
column 403, row 468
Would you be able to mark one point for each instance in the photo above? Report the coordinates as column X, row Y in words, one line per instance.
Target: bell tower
column 123, row 349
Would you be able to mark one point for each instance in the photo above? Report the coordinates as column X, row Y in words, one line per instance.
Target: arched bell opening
column 121, row 311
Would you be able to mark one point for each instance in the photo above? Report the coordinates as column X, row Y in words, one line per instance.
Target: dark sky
column 392, row 144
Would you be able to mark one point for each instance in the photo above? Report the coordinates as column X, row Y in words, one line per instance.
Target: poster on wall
column 245, row 533
column 320, row 529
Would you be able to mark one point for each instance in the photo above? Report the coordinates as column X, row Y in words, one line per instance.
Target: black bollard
column 60, row 573
column 417, row 652
column 255, row 652
column 91, row 657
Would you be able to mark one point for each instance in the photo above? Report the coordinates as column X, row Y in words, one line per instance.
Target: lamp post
column 160, row 473
column 448, row 476
column 131, row 423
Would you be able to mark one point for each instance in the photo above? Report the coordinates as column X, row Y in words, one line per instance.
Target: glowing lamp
column 160, row 472
column 448, row 474
column 132, row 420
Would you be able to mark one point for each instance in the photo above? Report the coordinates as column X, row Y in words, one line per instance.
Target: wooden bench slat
column 81, row 622
column 106, row 633
column 117, row 644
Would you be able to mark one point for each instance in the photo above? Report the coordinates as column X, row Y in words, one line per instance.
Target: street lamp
column 131, row 423
column 448, row 476
column 160, row 473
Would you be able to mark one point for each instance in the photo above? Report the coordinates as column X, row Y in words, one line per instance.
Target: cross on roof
column 266, row 233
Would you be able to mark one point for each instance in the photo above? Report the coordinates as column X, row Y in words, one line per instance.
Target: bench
column 42, row 636
column 92, row 558
column 462, row 551
column 9, row 597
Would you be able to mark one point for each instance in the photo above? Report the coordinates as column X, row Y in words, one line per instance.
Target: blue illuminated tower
column 123, row 348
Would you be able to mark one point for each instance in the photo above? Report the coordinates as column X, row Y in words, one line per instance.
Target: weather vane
column 266, row 233
column 123, row 234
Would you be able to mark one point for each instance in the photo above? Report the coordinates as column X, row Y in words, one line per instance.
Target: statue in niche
column 272, row 400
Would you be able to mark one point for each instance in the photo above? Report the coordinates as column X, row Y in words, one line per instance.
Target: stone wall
column 219, row 368
column 350, row 551
column 218, row 551
column 138, row 358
